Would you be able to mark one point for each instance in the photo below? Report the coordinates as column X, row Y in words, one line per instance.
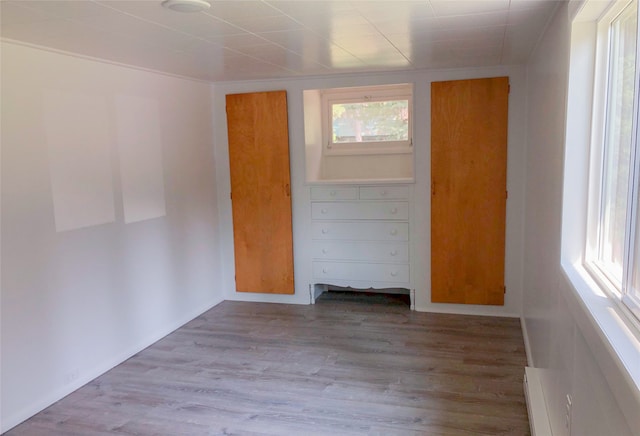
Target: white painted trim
column 27, row 412
column 527, row 343
column 536, row 404
column 364, row 94
column 474, row 72
column 466, row 309
column 251, row 297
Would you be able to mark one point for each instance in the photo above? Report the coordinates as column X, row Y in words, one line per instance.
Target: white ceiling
column 253, row 39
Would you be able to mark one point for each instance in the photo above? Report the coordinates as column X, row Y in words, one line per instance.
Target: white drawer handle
column 325, row 251
column 325, row 271
column 332, row 193
column 393, row 232
column 394, row 253
column 323, row 211
column 383, row 193
column 394, row 273
column 394, row 210
column 325, row 231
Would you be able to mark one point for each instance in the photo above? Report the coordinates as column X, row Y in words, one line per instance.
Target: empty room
column 320, row 217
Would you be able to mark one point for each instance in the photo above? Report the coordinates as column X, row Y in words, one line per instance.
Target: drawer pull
column 332, row 193
column 393, row 232
column 394, row 253
column 325, row 231
column 325, row 271
column 383, row 193
column 394, row 273
column 325, row 251
column 323, row 211
column 394, row 210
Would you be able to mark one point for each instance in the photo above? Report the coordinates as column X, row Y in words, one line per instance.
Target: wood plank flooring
column 352, row 364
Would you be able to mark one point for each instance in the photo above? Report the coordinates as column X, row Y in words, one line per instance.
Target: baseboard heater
column 536, row 405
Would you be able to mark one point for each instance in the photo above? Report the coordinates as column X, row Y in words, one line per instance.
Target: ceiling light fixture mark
column 186, row 5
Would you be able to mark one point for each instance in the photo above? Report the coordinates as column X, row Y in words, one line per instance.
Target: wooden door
column 468, row 190
column 261, row 192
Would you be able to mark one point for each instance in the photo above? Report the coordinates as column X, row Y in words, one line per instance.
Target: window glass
column 618, row 142
column 375, row 121
column 367, row 120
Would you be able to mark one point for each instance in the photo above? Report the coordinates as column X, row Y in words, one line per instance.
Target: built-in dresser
column 360, row 236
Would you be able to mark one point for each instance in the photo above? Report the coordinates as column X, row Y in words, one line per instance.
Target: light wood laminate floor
column 346, row 365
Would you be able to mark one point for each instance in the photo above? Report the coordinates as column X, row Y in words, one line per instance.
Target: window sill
column 369, row 151
column 612, row 338
column 604, row 283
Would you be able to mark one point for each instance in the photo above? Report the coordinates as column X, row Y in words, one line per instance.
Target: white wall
column 420, row 233
column 95, row 269
column 562, row 339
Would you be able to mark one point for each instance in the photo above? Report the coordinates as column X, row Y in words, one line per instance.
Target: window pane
column 634, row 290
column 376, row 121
column 618, row 136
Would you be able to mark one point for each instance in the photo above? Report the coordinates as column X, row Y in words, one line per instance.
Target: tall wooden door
column 261, row 192
column 468, row 190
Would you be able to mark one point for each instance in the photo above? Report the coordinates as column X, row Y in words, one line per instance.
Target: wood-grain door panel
column 261, row 192
column 468, row 198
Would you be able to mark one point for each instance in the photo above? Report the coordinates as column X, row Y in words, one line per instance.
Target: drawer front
column 364, row 210
column 363, row 251
column 360, row 231
column 376, row 272
column 384, row 192
column 334, row 193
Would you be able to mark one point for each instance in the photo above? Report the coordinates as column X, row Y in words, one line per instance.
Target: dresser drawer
column 375, row 272
column 384, row 192
column 360, row 231
column 363, row 251
column 363, row 210
column 334, row 193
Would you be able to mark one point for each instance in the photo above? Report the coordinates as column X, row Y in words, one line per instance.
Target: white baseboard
column 536, row 404
column 527, row 344
column 466, row 309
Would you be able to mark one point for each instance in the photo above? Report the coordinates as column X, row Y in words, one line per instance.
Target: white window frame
column 628, row 304
column 362, row 95
column 609, row 328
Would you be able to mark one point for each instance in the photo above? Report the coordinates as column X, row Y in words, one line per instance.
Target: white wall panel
column 75, row 303
column 420, row 233
column 600, row 415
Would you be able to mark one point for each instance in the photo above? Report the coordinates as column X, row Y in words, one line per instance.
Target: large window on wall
column 368, row 120
column 614, row 237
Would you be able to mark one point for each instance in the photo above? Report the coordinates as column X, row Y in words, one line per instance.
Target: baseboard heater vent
column 536, row 405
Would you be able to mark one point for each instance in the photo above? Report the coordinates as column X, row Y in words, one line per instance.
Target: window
column 368, row 120
column 633, row 295
column 615, row 252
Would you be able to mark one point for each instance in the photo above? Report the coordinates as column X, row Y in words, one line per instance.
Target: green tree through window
column 375, row 121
